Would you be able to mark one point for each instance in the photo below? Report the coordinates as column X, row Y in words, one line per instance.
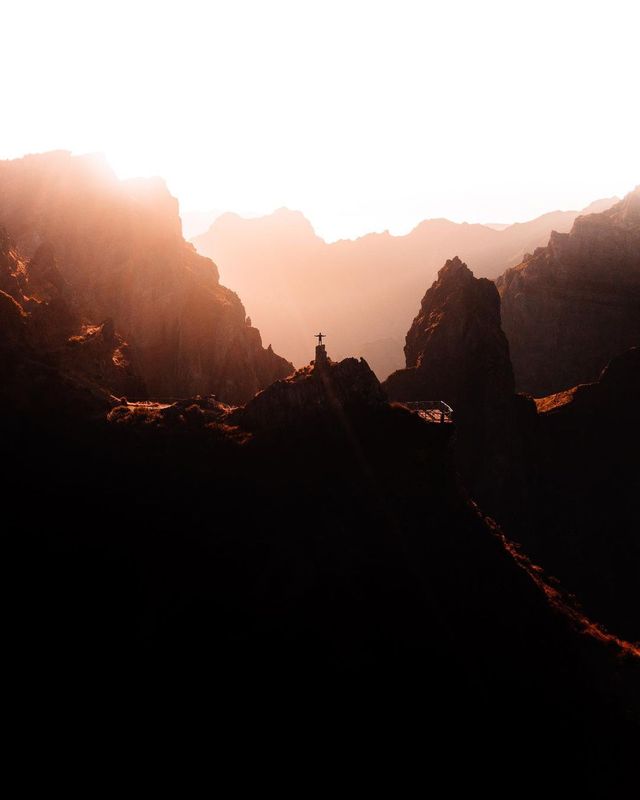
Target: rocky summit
column 456, row 351
column 312, row 394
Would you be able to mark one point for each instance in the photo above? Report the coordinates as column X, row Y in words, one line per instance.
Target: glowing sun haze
column 363, row 115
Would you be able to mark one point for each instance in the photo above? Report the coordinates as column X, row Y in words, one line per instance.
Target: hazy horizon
column 364, row 116
column 497, row 225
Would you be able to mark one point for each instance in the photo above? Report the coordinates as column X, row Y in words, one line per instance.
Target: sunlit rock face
column 120, row 255
column 49, row 353
column 456, row 351
column 574, row 304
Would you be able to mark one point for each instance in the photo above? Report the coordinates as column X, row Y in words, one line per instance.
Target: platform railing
column 431, row 410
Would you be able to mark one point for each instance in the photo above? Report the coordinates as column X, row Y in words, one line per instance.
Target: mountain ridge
column 360, row 290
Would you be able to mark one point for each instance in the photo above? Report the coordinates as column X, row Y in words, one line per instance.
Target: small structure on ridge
column 321, row 359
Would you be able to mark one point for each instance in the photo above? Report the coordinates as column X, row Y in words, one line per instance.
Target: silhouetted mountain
column 456, row 352
column 119, row 250
column 358, row 291
column 574, row 304
column 311, row 394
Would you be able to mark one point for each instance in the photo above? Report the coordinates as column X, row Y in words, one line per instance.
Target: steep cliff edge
column 575, row 304
column 120, row 253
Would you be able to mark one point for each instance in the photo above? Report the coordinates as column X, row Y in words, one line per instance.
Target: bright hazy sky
column 363, row 115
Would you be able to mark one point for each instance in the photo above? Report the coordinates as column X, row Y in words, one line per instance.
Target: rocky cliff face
column 575, row 304
column 120, row 255
column 44, row 340
column 456, row 352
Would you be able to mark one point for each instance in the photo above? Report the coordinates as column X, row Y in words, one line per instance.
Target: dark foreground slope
column 120, row 255
column 311, row 550
column 584, row 523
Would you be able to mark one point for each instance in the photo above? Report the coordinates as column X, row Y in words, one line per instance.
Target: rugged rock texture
column 584, row 522
column 574, row 304
column 456, row 352
column 120, row 255
column 361, row 290
column 40, row 329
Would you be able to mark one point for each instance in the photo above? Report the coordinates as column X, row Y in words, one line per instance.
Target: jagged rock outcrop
column 456, row 351
column 575, row 304
column 119, row 254
column 456, row 344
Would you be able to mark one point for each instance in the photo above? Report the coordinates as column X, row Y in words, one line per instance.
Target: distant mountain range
column 362, row 292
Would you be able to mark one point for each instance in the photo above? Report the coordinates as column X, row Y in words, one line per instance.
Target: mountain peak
column 312, row 395
column 454, row 268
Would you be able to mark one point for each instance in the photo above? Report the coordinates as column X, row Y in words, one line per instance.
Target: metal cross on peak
column 319, row 337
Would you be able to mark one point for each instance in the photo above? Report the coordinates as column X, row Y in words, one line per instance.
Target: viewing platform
column 431, row 410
